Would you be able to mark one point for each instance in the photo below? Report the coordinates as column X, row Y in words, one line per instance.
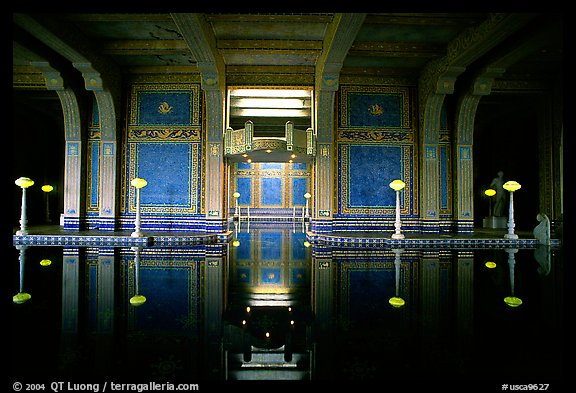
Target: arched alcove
column 506, row 139
column 38, row 153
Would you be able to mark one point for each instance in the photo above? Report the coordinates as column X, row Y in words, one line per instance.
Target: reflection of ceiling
column 282, row 49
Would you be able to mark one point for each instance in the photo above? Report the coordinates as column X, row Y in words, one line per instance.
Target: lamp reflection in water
column 138, row 183
column 23, row 183
column 137, row 299
column 511, row 186
column 21, row 296
column 235, row 241
column 396, row 301
column 397, row 185
column 512, row 300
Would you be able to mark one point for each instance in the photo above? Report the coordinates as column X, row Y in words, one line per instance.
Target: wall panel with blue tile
column 375, row 145
column 164, row 146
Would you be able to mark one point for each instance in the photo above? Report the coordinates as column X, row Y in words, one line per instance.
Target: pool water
column 270, row 306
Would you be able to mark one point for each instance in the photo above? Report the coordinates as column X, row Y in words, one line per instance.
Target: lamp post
column 307, row 196
column 397, row 185
column 23, row 183
column 490, row 193
column 47, row 188
column 511, row 186
column 236, row 195
column 138, row 183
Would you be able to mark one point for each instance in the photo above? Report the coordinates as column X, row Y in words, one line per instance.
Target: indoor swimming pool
column 270, row 305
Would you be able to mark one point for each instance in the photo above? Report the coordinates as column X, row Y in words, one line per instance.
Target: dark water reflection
column 331, row 314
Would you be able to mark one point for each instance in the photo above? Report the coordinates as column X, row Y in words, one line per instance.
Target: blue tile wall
column 94, row 170
column 299, row 188
column 375, row 109
column 167, row 169
column 271, row 192
column 371, row 169
column 443, row 178
column 165, row 108
column 244, row 187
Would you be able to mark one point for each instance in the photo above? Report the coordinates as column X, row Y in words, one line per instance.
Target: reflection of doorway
column 506, row 139
column 268, row 317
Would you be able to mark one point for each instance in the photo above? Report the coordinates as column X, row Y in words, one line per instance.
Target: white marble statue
column 542, row 230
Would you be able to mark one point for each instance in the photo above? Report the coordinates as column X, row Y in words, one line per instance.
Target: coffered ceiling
column 282, row 49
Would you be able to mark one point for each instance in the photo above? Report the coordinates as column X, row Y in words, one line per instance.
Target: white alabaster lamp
column 23, row 183
column 511, row 186
column 137, row 183
column 236, row 195
column 490, row 193
column 307, row 196
column 47, row 188
column 397, row 185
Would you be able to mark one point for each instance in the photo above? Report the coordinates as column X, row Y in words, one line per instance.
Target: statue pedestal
column 495, row 222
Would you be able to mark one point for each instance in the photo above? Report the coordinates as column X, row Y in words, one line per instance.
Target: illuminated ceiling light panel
column 271, row 112
column 269, row 93
column 294, row 103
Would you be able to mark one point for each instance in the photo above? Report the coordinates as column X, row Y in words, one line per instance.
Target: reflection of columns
column 465, row 296
column 213, row 312
column 430, row 288
column 69, row 340
column 105, row 291
column 324, row 309
column 104, row 345
column 70, row 289
column 430, row 307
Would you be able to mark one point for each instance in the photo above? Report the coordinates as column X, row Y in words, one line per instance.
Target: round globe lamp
column 511, row 186
column 397, row 185
column 138, row 183
column 23, row 183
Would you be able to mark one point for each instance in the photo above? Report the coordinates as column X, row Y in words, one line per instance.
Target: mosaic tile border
column 372, row 242
column 314, row 238
column 121, row 241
